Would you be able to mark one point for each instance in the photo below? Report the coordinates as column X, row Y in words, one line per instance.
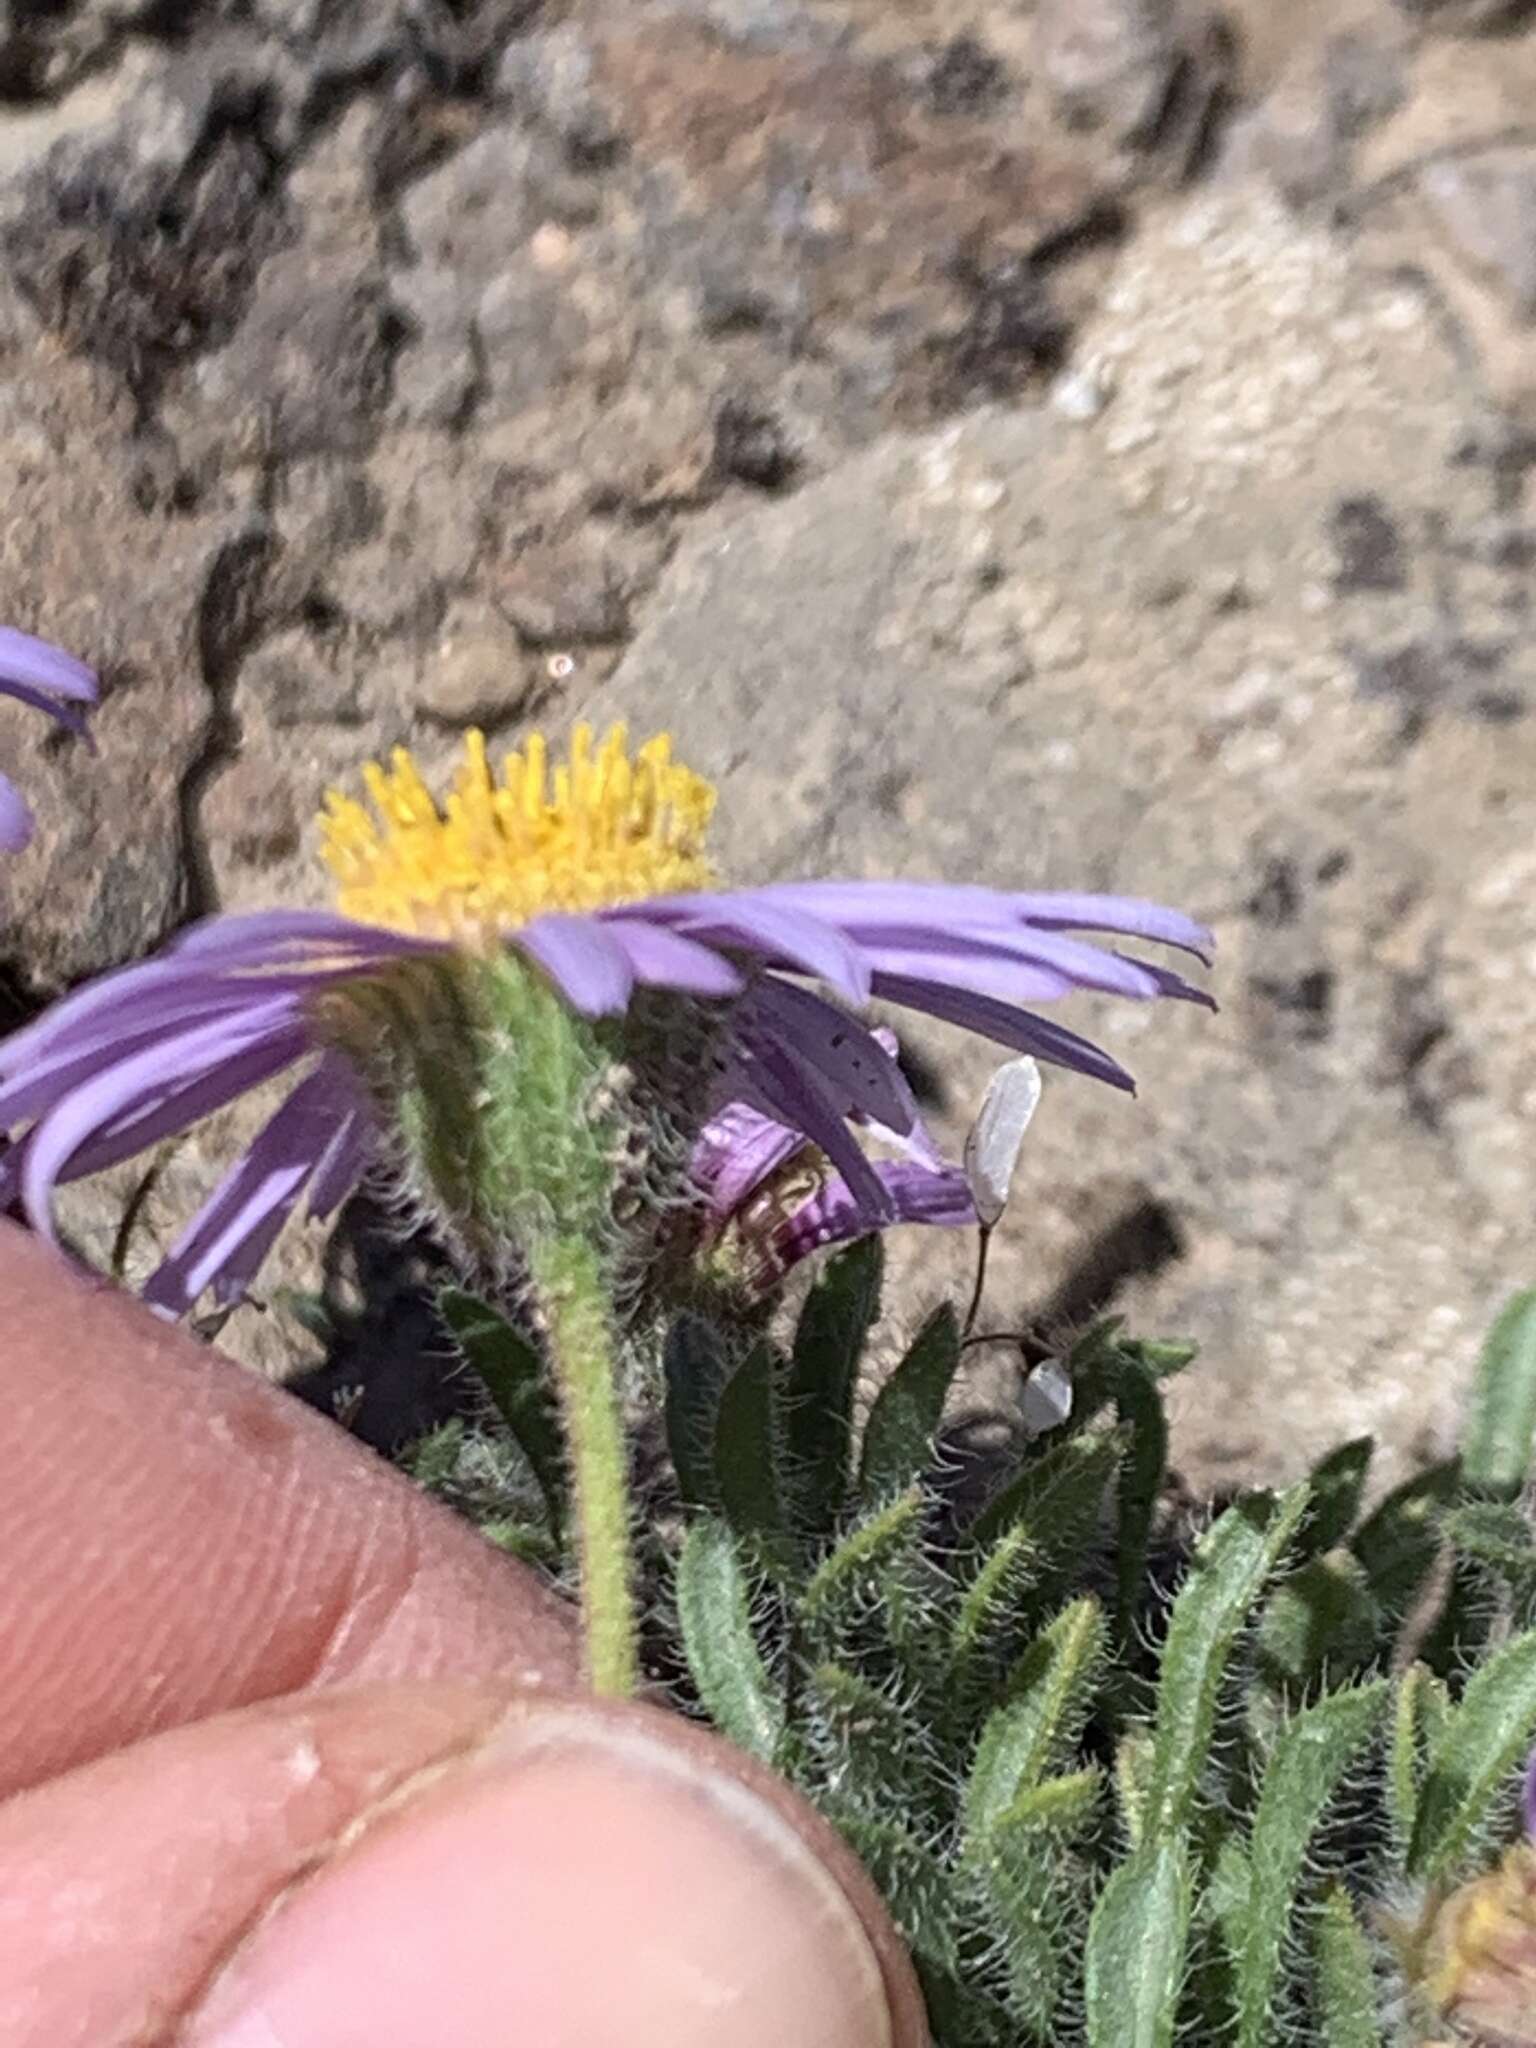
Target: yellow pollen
column 600, row 828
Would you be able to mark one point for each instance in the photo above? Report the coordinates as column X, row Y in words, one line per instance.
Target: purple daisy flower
column 558, row 879
column 35, row 672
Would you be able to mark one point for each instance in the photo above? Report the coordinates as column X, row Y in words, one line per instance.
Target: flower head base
column 600, row 830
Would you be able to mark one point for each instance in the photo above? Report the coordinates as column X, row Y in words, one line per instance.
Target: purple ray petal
column 1074, row 961
column 1020, row 1029
column 664, row 958
column 583, row 960
column 26, row 659
column 265, row 939
column 780, row 934
column 798, row 1096
column 1528, row 1796
column 940, row 905
column 70, row 716
column 857, row 1069
column 234, row 1229
column 15, row 818
column 92, row 1108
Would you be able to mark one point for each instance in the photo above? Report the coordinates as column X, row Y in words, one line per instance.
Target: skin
column 290, row 1759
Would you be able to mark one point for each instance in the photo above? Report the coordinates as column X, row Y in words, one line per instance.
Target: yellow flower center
column 602, row 828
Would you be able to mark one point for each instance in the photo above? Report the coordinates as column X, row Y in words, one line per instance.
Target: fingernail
column 585, row 1878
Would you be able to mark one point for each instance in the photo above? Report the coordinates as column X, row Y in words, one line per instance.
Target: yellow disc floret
column 601, row 828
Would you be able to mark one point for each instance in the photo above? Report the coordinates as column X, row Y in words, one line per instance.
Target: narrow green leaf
column 1337, row 1483
column 1231, row 1564
column 509, row 1367
column 1136, row 1948
column 1347, row 1996
column 1142, row 1470
column 1320, row 1624
column 914, row 1883
column 1039, row 1727
column 1497, row 1537
column 695, row 1367
column 853, row 1567
column 1399, row 1543
column 1133, row 1782
column 1057, row 1495
column 1056, row 1806
column 834, row 1326
column 1313, row 1752
column 898, row 1438
column 1496, row 1444
column 989, row 1606
column 714, row 1611
column 1421, row 1706
column 747, row 1453
column 1474, row 1759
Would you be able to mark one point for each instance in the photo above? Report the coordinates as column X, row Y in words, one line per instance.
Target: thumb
column 440, row 1868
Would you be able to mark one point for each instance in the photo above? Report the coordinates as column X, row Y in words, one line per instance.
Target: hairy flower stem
column 573, row 1302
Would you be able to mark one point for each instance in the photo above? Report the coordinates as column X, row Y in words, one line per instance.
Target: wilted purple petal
column 857, row 1069
column 665, row 958
column 578, row 954
column 736, row 1151
column 15, row 818
column 1528, row 1796
column 1005, row 1025
column 913, row 1194
column 797, row 1094
column 26, row 659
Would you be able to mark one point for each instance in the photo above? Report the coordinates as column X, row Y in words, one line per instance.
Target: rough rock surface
column 1089, row 442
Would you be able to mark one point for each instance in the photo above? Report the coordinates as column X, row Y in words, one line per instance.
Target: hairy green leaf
column 1346, row 1979
column 714, row 1612
column 1231, row 1564
column 834, row 1326
column 748, row 1456
column 1337, row 1483
column 852, row 1568
column 1399, row 1543
column 989, row 1608
column 695, row 1368
column 1140, row 1408
column 1421, row 1707
column 1313, row 1752
column 1320, row 1624
column 1134, row 1967
column 898, row 1437
column 1474, row 1757
column 1496, row 1443
column 1057, row 1495
column 1052, row 1691
column 509, row 1367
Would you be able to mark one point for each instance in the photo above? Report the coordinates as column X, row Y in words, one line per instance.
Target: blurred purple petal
column 1528, row 1796
column 665, row 958
column 15, row 818
column 25, row 659
column 584, row 961
column 939, row 905
column 781, row 936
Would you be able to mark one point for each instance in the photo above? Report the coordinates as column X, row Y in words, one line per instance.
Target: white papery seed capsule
column 992, row 1149
column 1047, row 1398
